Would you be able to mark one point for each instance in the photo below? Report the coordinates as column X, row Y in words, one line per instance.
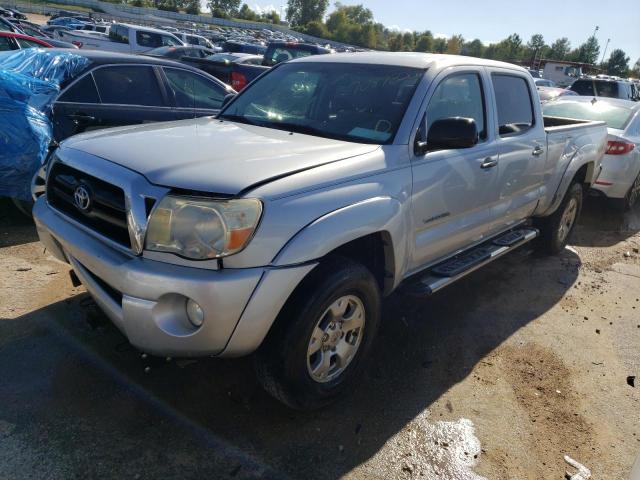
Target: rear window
column 154, row 40
column 513, row 99
column 284, row 54
column 615, row 116
column 606, row 89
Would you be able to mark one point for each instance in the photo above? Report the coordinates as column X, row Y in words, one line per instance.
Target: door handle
column 537, row 151
column 80, row 117
column 489, row 163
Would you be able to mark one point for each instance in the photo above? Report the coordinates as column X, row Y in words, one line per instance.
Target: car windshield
column 615, row 116
column 353, row 102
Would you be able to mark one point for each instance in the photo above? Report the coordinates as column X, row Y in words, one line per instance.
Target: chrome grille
column 106, row 213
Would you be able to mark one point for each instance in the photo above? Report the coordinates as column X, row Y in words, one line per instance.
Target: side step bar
column 455, row 268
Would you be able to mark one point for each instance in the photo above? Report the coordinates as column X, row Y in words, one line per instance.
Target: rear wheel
column 320, row 341
column 630, row 199
column 557, row 227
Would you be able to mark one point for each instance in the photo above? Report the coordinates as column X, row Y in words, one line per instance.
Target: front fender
column 336, row 228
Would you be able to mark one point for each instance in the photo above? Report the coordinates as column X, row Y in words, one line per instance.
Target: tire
column 629, row 200
column 284, row 365
column 556, row 229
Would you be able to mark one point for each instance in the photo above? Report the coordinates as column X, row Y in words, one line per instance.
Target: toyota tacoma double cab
column 277, row 227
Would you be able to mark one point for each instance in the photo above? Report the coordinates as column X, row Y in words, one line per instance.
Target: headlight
column 200, row 228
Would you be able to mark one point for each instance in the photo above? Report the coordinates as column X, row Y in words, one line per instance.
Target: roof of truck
column 406, row 59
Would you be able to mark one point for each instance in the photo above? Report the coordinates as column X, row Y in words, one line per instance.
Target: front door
column 454, row 191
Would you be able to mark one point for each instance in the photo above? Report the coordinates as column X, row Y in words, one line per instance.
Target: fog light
column 195, row 313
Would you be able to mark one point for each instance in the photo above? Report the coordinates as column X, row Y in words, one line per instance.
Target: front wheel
column 318, row 345
column 557, row 227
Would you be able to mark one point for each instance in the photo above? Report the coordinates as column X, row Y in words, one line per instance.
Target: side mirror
column 227, row 98
column 449, row 133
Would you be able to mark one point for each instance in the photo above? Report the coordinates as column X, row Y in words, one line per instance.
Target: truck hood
column 210, row 155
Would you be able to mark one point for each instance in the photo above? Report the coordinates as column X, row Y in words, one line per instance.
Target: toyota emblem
column 82, row 198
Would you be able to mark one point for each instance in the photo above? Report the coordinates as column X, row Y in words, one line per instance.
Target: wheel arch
column 370, row 232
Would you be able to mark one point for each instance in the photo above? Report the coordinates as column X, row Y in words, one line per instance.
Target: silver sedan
column 620, row 176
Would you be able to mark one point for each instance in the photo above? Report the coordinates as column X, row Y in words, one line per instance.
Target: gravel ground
column 496, row 377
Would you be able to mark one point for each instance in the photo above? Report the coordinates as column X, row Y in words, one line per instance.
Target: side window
column 148, row 39
column 513, row 101
column 83, row 91
column 169, row 41
column 194, row 91
column 459, row 95
column 130, row 85
column 583, row 87
column 28, row 43
column 119, row 33
column 5, row 44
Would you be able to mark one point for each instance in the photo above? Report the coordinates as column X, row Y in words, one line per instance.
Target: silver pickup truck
column 332, row 181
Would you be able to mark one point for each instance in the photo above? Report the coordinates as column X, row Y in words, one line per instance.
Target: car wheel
column 318, row 345
column 630, row 199
column 557, row 227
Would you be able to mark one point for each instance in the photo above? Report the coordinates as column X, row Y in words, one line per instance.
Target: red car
column 17, row 41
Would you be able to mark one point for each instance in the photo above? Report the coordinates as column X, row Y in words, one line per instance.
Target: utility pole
column 605, row 50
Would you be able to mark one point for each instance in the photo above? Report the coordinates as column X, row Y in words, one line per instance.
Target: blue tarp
column 29, row 84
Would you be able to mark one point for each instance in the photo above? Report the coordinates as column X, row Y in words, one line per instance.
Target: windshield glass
column 615, row 116
column 353, row 102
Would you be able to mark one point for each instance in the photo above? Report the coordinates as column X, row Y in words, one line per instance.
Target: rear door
column 521, row 143
column 454, row 191
column 191, row 94
column 127, row 95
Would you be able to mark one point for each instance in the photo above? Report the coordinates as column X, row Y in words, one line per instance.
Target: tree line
column 355, row 25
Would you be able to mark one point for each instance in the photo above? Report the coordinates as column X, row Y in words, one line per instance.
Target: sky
column 494, row 20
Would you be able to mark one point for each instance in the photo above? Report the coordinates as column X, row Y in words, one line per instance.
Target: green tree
column 475, row 48
column 455, row 44
column 587, row 52
column 356, row 13
column 425, row 42
column 192, row 7
column 618, row 63
column 635, row 72
column 510, row 49
column 245, row 13
column 317, row 29
column 440, row 45
column 224, row 8
column 559, row 49
column 301, row 12
column 536, row 47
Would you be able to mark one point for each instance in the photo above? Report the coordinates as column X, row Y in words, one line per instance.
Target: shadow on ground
column 78, row 395
column 602, row 226
column 15, row 227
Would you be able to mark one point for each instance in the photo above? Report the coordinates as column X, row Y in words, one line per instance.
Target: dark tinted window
column 119, row 33
column 606, row 89
column 583, row 87
column 24, row 43
column 513, row 100
column 153, row 39
column 83, row 91
column 128, row 86
column 6, row 44
column 458, row 96
column 194, row 91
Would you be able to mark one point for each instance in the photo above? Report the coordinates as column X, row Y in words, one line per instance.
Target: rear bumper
column 618, row 174
column 146, row 299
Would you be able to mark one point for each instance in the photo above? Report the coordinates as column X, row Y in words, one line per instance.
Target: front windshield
column 615, row 116
column 353, row 102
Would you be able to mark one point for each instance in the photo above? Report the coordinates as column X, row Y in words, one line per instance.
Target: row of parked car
column 597, row 86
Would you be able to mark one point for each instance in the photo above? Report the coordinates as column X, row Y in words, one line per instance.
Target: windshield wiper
column 236, row 118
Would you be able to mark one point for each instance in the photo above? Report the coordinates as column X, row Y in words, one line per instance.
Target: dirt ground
column 496, row 377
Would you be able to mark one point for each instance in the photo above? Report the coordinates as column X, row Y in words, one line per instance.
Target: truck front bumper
column 146, row 299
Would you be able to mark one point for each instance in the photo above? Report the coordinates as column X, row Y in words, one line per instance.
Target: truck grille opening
column 105, row 212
